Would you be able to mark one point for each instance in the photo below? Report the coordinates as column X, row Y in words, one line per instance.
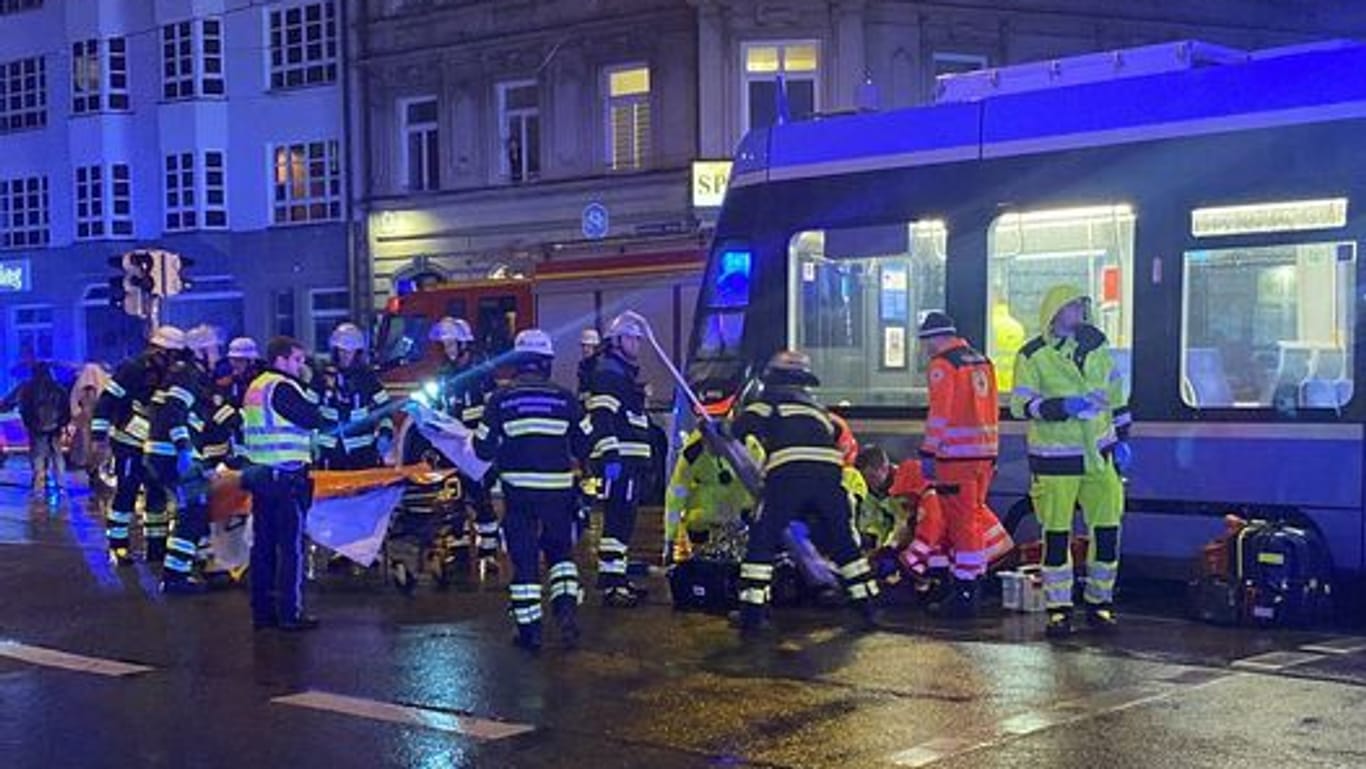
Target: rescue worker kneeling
column 534, row 431
column 802, row 478
column 1068, row 386
column 706, row 507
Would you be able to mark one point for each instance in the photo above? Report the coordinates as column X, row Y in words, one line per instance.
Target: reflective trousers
column 133, row 478
column 539, row 522
column 619, row 523
column 187, row 546
column 1101, row 496
column 962, row 487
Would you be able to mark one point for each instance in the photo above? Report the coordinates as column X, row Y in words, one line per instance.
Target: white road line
column 478, row 728
column 1339, row 645
column 1273, row 661
column 51, row 658
column 1034, row 721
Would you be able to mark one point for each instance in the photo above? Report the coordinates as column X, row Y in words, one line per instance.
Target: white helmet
column 628, row 323
column 202, row 337
column 347, row 336
column 243, row 347
column 590, row 336
column 534, row 341
column 168, row 338
column 450, row 329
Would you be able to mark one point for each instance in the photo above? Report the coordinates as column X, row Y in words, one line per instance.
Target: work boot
column 962, row 602
column 179, row 584
column 1059, row 623
column 528, row 637
column 566, row 609
column 156, row 549
column 1101, row 618
column 121, row 556
column 865, row 614
column 620, row 597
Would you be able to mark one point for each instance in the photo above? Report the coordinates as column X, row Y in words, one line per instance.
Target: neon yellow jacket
column 703, row 491
column 1050, row 369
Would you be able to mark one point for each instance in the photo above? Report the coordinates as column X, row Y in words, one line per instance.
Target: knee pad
column 1055, row 547
column 1107, row 543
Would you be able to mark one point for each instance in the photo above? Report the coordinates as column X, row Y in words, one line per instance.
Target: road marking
column 1339, row 645
column 1035, row 721
column 51, row 658
column 1274, row 661
column 440, row 720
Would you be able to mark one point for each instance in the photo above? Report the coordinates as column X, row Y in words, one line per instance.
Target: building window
column 1030, row 252
column 192, row 59
column 1269, row 325
column 196, row 193
column 24, row 212
column 104, row 202
column 519, row 130
column 33, row 331
column 99, row 80
column 421, row 144
column 857, row 294
column 307, row 182
column 121, row 189
column 89, row 202
column 15, row 6
column 797, row 64
column 284, row 312
column 628, row 118
column 327, row 308
column 303, row 45
column 23, row 94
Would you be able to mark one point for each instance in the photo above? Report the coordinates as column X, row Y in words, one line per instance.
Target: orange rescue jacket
column 964, row 406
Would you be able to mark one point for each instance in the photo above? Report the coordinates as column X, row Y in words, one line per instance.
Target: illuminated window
column 24, row 212
column 797, row 63
column 855, row 297
column 519, row 130
column 99, row 79
column 307, row 182
column 628, row 117
column 1269, row 326
column 421, row 144
column 23, row 94
column 1294, row 216
column 1091, row 248
column 192, row 59
column 303, row 45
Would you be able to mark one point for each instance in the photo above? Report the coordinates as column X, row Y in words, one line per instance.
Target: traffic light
column 142, row 274
column 186, row 283
column 117, row 293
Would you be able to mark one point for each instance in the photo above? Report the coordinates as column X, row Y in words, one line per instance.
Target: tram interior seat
column 1328, row 386
column 1207, row 384
column 1294, row 365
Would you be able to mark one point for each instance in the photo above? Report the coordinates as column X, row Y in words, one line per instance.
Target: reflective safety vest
column 703, row 491
column 270, row 438
column 964, row 406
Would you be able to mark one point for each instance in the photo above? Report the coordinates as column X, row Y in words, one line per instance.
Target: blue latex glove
column 383, row 443
column 1075, row 405
column 1124, row 457
column 612, row 471
column 927, row 469
column 184, row 463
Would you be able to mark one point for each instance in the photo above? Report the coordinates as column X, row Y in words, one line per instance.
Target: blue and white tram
column 1212, row 201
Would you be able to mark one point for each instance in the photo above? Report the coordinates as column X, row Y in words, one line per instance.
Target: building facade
column 494, row 134
column 211, row 128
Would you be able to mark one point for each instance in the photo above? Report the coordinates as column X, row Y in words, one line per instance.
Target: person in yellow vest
column 279, row 416
column 1008, row 336
column 705, row 498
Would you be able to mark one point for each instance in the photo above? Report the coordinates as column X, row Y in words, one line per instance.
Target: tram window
column 855, row 297
column 721, row 334
column 1031, row 252
column 1268, row 326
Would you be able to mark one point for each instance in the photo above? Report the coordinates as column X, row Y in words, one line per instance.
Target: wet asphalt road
column 431, row 681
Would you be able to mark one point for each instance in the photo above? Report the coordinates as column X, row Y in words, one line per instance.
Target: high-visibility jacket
column 616, row 407
column 1050, row 369
column 534, row 431
column 932, row 548
column 877, row 516
column 271, row 438
column 964, row 406
column 352, row 394
column 123, row 411
column 793, row 429
column 703, row 491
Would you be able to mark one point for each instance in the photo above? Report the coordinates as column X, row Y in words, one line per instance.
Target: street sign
column 596, row 221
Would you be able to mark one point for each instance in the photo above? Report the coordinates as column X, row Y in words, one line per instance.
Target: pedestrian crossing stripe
column 51, row 658
column 439, row 720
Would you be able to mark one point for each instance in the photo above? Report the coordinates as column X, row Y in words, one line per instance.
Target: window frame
column 331, row 200
column 19, row 328
column 747, row 77
column 643, row 151
column 30, row 114
column 108, row 65
column 315, row 315
column 427, row 130
column 35, row 236
column 277, row 42
column 503, row 133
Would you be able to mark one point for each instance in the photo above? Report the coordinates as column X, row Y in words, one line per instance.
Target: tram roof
column 1036, row 108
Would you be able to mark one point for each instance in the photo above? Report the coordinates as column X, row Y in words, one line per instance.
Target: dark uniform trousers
column 619, row 521
column 187, row 542
column 280, row 499
column 133, row 478
column 540, row 522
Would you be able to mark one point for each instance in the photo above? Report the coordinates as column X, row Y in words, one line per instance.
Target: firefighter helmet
column 243, row 347
column 590, row 336
column 534, row 341
column 450, row 329
column 168, row 338
column 202, row 337
column 628, row 323
column 790, row 367
column 348, row 336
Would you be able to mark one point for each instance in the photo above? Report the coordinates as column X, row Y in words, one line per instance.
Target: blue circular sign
column 595, row 221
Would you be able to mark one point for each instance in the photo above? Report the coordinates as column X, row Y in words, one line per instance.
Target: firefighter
column 534, row 432
column 191, row 432
column 279, row 415
column 464, row 383
column 242, row 366
column 621, row 446
column 122, row 414
column 803, row 471
column 960, row 448
column 1068, row 386
column 704, row 496
column 350, row 391
column 590, row 343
